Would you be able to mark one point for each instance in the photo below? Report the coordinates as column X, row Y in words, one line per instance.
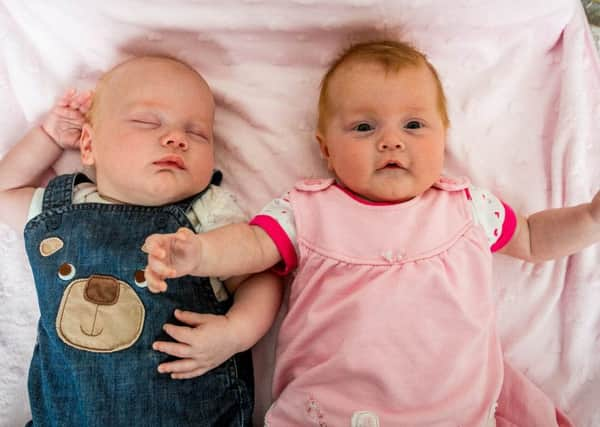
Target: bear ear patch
column 50, row 246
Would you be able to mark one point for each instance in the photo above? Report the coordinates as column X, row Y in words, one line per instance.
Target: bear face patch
column 98, row 313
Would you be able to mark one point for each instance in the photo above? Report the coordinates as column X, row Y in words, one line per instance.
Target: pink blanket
column 522, row 79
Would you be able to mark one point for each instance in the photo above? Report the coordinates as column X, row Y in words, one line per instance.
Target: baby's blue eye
column 414, row 124
column 363, row 127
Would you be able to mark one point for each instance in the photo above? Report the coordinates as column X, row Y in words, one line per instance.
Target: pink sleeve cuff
column 289, row 261
column 508, row 228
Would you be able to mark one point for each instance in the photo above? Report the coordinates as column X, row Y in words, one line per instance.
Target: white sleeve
column 277, row 220
column 495, row 217
column 281, row 211
column 216, row 208
column 37, row 201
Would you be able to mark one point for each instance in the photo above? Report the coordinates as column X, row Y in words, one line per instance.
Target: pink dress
column 391, row 314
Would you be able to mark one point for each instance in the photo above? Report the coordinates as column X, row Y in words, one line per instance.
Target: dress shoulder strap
column 451, row 183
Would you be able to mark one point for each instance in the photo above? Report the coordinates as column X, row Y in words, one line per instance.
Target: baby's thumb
column 183, row 234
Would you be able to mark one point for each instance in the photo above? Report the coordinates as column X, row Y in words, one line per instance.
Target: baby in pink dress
column 391, row 315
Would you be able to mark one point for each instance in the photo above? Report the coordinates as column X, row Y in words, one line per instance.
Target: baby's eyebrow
column 142, row 105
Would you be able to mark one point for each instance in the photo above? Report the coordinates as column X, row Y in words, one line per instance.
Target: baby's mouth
column 392, row 165
column 171, row 161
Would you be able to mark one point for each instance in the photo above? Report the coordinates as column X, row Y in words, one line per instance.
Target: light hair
column 393, row 56
column 104, row 81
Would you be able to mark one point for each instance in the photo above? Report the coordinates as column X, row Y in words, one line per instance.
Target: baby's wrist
column 199, row 265
column 50, row 137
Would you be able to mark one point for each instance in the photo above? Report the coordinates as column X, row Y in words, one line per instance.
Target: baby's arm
column 208, row 340
column 26, row 165
column 554, row 233
column 232, row 250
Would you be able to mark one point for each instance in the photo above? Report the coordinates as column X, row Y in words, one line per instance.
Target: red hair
column 393, row 56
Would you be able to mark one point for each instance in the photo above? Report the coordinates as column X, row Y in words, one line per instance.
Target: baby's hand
column 207, row 342
column 170, row 255
column 64, row 122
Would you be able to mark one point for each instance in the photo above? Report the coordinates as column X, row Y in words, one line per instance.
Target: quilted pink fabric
column 522, row 79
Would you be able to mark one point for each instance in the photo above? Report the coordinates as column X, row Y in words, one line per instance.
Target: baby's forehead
column 149, row 66
column 361, row 67
column 144, row 73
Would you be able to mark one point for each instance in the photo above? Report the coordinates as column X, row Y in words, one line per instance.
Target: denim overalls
column 93, row 364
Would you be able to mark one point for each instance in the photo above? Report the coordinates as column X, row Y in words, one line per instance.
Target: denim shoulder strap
column 59, row 191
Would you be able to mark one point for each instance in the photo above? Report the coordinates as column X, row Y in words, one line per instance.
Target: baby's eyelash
column 414, row 124
column 197, row 134
column 146, row 122
column 363, row 127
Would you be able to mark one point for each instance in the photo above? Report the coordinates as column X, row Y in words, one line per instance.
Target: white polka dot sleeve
column 277, row 220
column 216, row 208
column 496, row 218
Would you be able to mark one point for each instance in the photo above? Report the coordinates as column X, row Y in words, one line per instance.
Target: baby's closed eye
column 146, row 123
column 197, row 134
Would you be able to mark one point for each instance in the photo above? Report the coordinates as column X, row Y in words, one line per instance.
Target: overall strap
column 59, row 191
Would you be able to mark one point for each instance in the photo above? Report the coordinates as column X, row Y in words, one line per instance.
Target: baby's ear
column 85, row 145
column 324, row 149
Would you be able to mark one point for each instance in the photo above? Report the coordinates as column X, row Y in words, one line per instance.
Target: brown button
column 65, row 269
column 140, row 276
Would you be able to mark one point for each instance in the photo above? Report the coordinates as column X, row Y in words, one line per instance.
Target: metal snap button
column 53, row 222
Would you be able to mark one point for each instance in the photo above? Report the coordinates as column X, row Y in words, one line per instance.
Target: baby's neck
column 364, row 200
column 112, row 199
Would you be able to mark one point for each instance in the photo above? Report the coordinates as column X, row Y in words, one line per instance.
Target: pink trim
column 289, row 260
column 508, row 228
column 468, row 193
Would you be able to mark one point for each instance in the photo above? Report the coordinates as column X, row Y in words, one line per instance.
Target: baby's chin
column 162, row 199
column 398, row 192
column 384, row 196
column 167, row 192
column 149, row 198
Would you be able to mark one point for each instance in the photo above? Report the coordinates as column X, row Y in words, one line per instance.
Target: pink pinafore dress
column 391, row 315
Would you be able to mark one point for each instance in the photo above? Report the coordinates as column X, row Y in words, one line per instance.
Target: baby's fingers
column 181, row 365
column 154, row 246
column 160, row 268
column 183, row 234
column 183, row 369
column 84, row 101
column 155, row 283
column 67, row 97
column 190, row 374
column 74, row 100
column 173, row 349
column 68, row 113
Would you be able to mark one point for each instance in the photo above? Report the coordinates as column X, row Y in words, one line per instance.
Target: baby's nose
column 175, row 138
column 386, row 144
